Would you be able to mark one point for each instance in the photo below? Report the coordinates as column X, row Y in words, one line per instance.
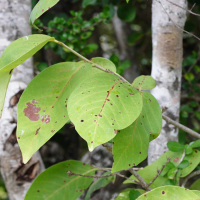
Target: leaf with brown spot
column 144, row 83
column 44, row 102
column 123, row 110
column 170, row 192
column 134, row 139
column 55, row 183
column 15, row 54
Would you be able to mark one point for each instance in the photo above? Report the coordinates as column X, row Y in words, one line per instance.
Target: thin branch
column 185, row 96
column 190, row 176
column 159, row 171
column 190, row 11
column 140, row 179
column 182, row 127
column 93, row 64
column 159, row 1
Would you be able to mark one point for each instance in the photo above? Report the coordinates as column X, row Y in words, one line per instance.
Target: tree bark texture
column 14, row 16
column 167, row 68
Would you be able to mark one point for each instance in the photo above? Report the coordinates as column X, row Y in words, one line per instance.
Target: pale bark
column 167, row 68
column 14, row 15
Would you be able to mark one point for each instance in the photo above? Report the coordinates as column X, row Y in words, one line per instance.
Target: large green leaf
column 101, row 105
column 170, row 193
column 101, row 182
column 55, row 183
column 194, row 160
column 144, row 83
column 41, row 7
column 149, row 172
column 42, row 108
column 15, row 54
column 131, row 144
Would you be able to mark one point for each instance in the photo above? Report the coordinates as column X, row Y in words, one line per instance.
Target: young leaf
column 41, row 7
column 195, row 144
column 149, row 172
column 42, row 108
column 167, row 168
column 101, row 105
column 172, row 172
column 134, row 139
column 169, row 192
column 101, row 182
column 175, row 146
column 55, row 183
column 183, row 164
column 188, row 150
column 144, row 83
column 15, row 54
column 194, row 160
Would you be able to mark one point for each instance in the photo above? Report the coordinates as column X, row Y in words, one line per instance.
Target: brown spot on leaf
column 163, row 192
column 31, row 111
column 117, row 95
column 37, row 131
column 10, row 71
column 47, row 120
column 82, row 120
column 176, row 159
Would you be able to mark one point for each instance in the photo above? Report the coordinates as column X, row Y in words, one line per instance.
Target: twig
column 185, row 96
column 159, row 171
column 93, row 64
column 190, row 176
column 159, row 1
column 140, row 179
column 182, row 127
column 190, row 11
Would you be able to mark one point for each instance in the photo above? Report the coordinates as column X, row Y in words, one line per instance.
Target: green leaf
column 134, row 139
column 134, row 37
column 123, row 195
column 169, row 166
column 55, row 183
column 169, row 182
column 115, row 59
column 105, row 63
column 197, row 115
column 15, row 54
column 183, row 164
column 188, row 150
column 169, row 193
column 194, row 160
column 42, row 109
column 171, row 173
column 127, row 1
column 149, row 172
column 134, row 194
column 175, row 146
column 86, row 3
column 126, row 12
column 41, row 7
column 195, row 144
column 144, row 83
column 101, row 105
column 195, row 185
column 189, row 76
column 101, row 182
column 125, row 65
column 42, row 66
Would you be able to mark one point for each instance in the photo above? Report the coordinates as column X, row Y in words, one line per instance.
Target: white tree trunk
column 167, row 68
column 14, row 16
